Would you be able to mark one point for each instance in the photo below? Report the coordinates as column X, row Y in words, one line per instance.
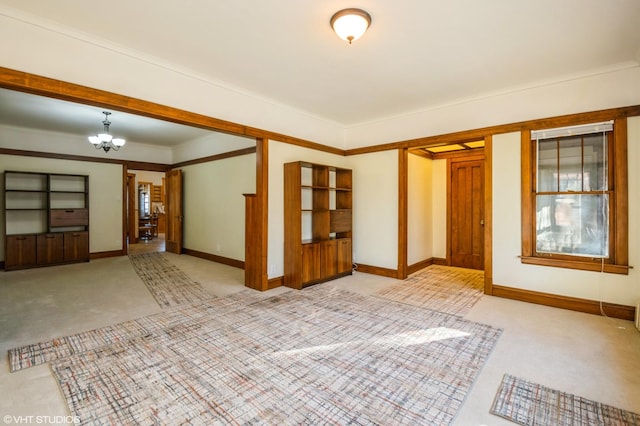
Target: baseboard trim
column 565, row 302
column 105, row 254
column 376, row 270
column 425, row 263
column 411, row 269
column 214, row 258
column 275, row 282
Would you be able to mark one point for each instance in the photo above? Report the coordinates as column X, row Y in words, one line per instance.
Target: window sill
column 576, row 264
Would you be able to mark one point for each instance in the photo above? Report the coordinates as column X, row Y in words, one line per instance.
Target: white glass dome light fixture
column 105, row 140
column 350, row 24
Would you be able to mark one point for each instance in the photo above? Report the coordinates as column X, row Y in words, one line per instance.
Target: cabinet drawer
column 340, row 221
column 68, row 217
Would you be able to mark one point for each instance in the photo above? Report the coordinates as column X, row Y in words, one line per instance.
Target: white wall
column 420, row 209
column 63, row 143
column 105, row 195
column 507, row 268
column 608, row 89
column 375, row 208
column 214, row 207
column 279, row 154
column 211, row 144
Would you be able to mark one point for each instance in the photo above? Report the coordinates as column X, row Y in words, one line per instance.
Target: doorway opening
column 146, row 212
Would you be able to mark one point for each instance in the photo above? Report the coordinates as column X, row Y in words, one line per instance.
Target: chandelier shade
column 350, row 24
column 106, row 141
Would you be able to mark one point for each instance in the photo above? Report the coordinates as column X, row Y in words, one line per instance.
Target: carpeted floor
column 166, row 282
column 315, row 356
column 439, row 288
column 529, row 404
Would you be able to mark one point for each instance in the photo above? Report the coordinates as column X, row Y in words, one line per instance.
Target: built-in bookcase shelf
column 46, row 219
column 318, row 203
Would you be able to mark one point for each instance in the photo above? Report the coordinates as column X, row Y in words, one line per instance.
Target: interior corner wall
column 105, row 195
column 281, row 153
column 214, row 207
column 420, row 210
column 375, row 208
column 47, row 50
column 510, row 272
column 439, row 213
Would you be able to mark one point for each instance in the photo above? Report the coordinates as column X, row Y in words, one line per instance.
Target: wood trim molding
column 276, row 282
column 262, row 196
column 403, row 213
column 488, row 214
column 224, row 155
column 413, row 268
column 105, row 254
column 564, row 302
column 376, row 270
column 541, row 123
column 214, row 258
column 479, row 152
column 44, row 86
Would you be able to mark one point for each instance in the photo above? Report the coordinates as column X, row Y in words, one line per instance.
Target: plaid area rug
column 315, row 356
column 43, row 352
column 166, row 282
column 439, row 288
column 528, row 403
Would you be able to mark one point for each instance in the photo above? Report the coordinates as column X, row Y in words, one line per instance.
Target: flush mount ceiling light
column 350, row 24
column 105, row 140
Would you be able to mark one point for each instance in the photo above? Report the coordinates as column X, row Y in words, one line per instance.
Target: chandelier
column 105, row 140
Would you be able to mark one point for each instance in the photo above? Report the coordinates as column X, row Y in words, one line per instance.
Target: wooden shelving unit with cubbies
column 46, row 219
column 318, row 223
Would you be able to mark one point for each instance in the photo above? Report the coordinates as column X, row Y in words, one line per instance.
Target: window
column 574, row 197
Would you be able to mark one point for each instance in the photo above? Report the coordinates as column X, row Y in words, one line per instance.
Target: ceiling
column 417, row 54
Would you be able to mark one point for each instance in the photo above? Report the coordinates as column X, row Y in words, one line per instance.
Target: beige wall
column 507, row 268
column 375, row 208
column 420, row 209
column 105, row 195
column 214, row 207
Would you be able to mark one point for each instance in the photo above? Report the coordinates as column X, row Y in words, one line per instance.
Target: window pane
column 570, row 164
column 573, row 224
column 596, row 164
column 547, row 176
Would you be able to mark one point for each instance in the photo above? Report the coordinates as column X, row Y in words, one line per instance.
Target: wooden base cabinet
column 317, row 244
column 46, row 219
column 20, row 252
column 50, row 248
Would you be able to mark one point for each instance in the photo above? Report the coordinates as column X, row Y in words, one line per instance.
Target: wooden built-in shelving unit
column 46, row 219
column 317, row 211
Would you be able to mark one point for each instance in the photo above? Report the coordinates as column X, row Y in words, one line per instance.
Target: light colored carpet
column 315, row 356
column 439, row 288
column 528, row 403
column 165, row 281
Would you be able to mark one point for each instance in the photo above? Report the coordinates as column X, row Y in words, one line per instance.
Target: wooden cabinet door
column 76, row 246
column 328, row 258
column 50, row 248
column 311, row 269
column 344, row 260
column 20, row 251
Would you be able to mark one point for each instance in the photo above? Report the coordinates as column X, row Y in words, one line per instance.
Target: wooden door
column 466, row 214
column 174, row 211
column 131, row 208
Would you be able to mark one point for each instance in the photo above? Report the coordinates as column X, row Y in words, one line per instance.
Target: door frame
column 476, row 156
